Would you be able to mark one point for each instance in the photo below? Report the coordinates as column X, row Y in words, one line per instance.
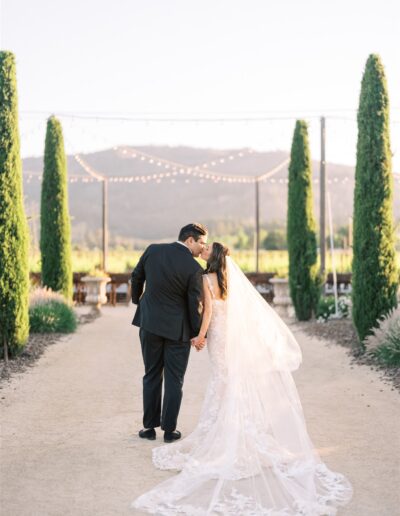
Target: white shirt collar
column 182, row 243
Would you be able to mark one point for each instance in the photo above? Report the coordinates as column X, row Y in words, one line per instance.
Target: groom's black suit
column 169, row 315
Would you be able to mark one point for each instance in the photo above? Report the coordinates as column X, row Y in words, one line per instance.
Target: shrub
column 52, row 317
column 326, row 308
column 384, row 343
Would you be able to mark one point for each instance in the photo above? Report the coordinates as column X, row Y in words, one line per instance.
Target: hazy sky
column 205, row 58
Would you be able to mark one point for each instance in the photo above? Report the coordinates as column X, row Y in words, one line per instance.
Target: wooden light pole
column 93, row 173
column 257, row 183
column 257, row 180
column 105, row 224
column 322, row 201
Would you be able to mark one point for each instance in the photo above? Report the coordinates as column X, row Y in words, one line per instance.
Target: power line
column 216, row 117
column 200, row 120
column 154, row 119
column 196, row 113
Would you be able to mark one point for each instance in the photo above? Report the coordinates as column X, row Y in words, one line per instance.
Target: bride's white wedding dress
column 250, row 453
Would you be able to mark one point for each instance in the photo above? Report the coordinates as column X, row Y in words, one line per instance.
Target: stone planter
column 282, row 301
column 96, row 290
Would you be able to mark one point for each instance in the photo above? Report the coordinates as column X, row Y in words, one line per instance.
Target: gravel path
column 69, row 424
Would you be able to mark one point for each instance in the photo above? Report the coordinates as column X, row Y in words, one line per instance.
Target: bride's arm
column 207, row 310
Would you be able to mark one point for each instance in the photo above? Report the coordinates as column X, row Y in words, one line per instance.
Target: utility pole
column 34, row 216
column 257, row 223
column 350, row 232
column 322, row 201
column 105, row 225
column 335, row 289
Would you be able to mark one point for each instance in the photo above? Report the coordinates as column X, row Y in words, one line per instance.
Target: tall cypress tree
column 374, row 278
column 55, row 231
column 301, row 228
column 14, row 269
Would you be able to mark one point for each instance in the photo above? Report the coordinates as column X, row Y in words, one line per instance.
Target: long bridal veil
column 250, row 454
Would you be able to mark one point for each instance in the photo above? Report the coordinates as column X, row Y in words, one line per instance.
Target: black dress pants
column 166, row 358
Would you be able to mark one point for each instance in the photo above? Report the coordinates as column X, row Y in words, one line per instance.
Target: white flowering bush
column 326, row 308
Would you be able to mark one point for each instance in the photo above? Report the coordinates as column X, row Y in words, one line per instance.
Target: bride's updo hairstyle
column 217, row 263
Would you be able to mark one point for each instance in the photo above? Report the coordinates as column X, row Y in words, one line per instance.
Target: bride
column 250, row 453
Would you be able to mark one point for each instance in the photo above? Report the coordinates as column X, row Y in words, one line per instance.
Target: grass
column 384, row 342
column 123, row 260
column 388, row 353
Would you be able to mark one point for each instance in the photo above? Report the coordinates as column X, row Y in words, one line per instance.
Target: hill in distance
column 156, row 210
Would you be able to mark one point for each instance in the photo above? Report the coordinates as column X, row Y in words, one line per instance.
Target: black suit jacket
column 171, row 304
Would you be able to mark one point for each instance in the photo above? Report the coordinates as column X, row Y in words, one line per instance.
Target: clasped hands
column 198, row 342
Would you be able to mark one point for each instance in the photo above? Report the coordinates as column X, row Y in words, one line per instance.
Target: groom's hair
column 194, row 230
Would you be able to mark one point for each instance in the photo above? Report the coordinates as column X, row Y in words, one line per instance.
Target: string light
column 95, row 176
column 93, row 173
column 143, row 156
column 189, row 170
column 28, row 177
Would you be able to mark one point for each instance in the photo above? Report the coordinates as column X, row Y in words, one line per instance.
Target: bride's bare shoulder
column 213, row 280
column 212, row 276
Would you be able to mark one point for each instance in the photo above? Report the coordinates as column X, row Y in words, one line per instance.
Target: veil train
column 250, row 454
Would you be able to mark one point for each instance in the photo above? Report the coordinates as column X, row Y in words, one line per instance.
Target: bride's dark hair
column 217, row 263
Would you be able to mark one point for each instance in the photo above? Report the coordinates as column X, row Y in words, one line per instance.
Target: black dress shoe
column 149, row 434
column 170, row 437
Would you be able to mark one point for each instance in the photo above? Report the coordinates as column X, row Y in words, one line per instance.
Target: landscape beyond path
column 69, row 424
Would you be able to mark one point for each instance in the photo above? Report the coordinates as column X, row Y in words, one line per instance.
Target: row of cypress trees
column 375, row 278
column 55, row 226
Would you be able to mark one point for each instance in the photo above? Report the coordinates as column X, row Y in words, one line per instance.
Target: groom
column 169, row 316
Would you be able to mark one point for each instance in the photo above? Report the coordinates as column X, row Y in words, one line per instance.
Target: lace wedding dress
column 250, row 454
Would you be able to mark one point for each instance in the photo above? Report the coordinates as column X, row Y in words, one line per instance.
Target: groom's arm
column 138, row 278
column 194, row 296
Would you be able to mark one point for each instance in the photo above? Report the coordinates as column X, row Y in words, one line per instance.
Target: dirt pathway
column 69, row 425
